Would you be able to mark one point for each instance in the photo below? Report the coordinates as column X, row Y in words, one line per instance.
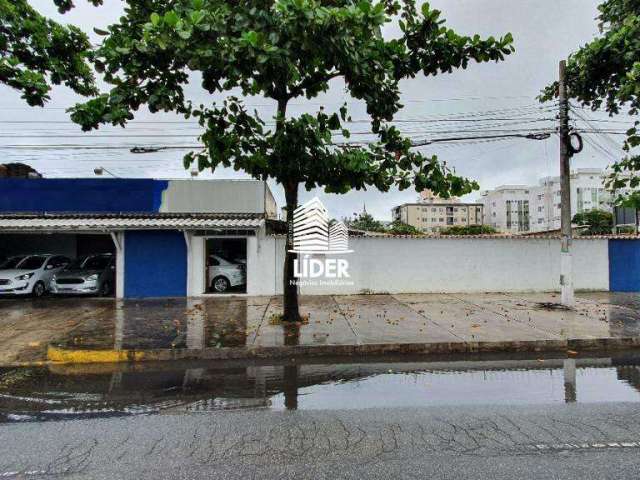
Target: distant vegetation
column 598, row 222
column 365, row 221
column 627, row 229
column 399, row 228
column 469, row 230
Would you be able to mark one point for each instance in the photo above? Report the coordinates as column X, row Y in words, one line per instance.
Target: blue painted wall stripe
column 81, row 195
column 155, row 264
column 624, row 265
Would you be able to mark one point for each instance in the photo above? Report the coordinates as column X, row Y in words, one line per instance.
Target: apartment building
column 536, row 208
column 431, row 214
column 507, row 208
column 587, row 193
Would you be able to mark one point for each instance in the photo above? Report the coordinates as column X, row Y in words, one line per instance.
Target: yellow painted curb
column 61, row 355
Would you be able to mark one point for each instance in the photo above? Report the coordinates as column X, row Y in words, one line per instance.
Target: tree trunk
column 291, row 311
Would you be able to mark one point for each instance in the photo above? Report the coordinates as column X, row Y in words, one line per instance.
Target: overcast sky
column 545, row 31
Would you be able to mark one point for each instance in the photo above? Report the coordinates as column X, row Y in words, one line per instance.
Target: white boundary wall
column 442, row 265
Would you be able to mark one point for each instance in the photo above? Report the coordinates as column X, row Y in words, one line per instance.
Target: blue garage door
column 624, row 265
column 155, row 264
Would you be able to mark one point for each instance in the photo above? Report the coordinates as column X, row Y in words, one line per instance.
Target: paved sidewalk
column 236, row 327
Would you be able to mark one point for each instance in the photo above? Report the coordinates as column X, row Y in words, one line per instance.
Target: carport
column 70, row 245
column 157, row 254
column 69, row 235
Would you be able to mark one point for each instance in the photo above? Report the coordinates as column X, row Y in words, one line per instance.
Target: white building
column 587, row 193
column 507, row 208
column 522, row 208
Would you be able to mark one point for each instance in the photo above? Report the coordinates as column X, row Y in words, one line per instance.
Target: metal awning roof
column 128, row 221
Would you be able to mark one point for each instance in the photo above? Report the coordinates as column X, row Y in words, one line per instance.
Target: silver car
column 29, row 274
column 225, row 274
column 90, row 275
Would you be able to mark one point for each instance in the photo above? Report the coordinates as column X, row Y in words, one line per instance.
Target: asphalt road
column 575, row 441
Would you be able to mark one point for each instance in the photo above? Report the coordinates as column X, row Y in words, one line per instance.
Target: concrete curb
column 57, row 354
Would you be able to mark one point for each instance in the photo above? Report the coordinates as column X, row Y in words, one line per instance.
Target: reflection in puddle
column 58, row 392
column 199, row 323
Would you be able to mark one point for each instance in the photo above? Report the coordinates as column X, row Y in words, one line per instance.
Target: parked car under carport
column 89, row 275
column 225, row 274
column 29, row 274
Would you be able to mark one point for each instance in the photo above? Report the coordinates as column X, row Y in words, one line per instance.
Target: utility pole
column 566, row 263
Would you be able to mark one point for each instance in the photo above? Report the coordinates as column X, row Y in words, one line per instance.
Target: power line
column 539, row 134
column 406, row 100
column 196, row 124
column 531, row 136
column 171, row 135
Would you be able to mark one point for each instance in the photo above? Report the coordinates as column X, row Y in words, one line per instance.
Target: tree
column 469, row 230
column 36, row 52
column 285, row 50
column 399, row 228
column 365, row 221
column 599, row 222
column 606, row 72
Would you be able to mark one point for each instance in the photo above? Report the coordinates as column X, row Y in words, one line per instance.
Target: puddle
column 56, row 393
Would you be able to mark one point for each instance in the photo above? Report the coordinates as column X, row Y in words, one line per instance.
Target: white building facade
column 522, row 208
column 507, row 208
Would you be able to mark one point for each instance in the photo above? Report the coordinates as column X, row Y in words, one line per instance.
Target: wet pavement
column 476, row 417
column 61, row 392
column 27, row 326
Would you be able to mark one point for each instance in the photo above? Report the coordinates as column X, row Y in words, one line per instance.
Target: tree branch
column 312, row 82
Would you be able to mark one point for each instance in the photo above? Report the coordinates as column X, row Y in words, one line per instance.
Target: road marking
column 582, row 446
column 23, row 473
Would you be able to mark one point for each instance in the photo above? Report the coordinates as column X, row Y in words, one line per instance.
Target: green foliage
column 365, row 221
column 630, row 199
column 399, row 228
column 606, row 73
column 36, row 52
column 283, row 50
column 599, row 222
column 627, row 230
column 469, row 230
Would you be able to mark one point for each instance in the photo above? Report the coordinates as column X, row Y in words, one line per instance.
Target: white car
column 225, row 274
column 29, row 274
